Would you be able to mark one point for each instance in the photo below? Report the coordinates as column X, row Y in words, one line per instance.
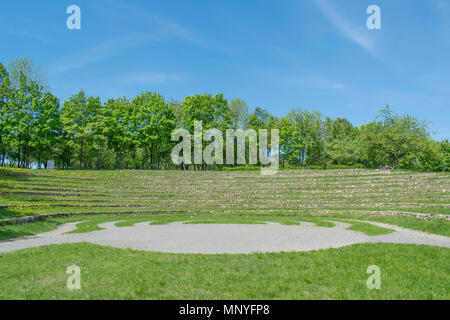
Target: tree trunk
column 98, row 158
column 19, row 158
column 81, row 155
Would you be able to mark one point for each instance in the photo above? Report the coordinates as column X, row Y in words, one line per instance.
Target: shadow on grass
column 16, row 175
column 6, row 213
column 9, row 231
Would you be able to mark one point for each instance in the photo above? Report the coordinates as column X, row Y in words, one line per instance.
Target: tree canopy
column 85, row 133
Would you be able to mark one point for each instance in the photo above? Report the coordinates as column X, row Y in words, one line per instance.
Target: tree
column 259, row 119
column 5, row 112
column 302, row 133
column 154, row 121
column 395, row 136
column 214, row 112
column 24, row 105
column 239, row 113
column 99, row 128
column 31, row 72
column 78, row 117
column 121, row 133
column 342, row 142
column 445, row 150
column 118, row 125
column 433, row 156
column 46, row 128
column 341, row 127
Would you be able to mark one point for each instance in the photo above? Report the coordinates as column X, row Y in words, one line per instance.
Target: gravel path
column 179, row 237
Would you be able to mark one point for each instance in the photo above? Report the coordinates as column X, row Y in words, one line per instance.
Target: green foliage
column 87, row 134
column 342, row 146
column 78, row 118
column 393, row 137
column 153, row 122
column 445, row 151
column 408, row 272
column 119, row 128
column 433, row 156
column 32, row 73
column 259, row 119
column 5, row 113
column 29, row 124
column 239, row 113
column 302, row 137
column 212, row 111
column 47, row 129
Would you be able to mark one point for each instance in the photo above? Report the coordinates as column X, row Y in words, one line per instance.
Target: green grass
column 290, row 197
column 363, row 227
column 28, row 229
column 90, row 222
column 437, row 226
column 367, row 228
column 407, row 272
column 129, row 220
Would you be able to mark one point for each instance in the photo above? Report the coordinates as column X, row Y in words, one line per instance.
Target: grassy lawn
column 290, row 197
column 407, row 272
column 437, row 226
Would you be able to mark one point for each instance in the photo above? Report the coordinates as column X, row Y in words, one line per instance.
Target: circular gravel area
column 211, row 238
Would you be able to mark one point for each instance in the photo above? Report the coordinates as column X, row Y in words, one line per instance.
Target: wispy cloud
column 156, row 28
column 26, row 34
column 164, row 26
column 150, row 78
column 105, row 49
column 357, row 34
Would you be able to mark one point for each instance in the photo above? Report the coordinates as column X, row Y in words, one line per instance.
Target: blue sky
column 279, row 54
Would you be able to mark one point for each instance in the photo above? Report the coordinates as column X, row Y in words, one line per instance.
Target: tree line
column 85, row 133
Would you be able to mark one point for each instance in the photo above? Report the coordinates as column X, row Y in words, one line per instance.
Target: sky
column 277, row 55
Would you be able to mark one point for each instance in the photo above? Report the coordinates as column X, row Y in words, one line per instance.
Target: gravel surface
column 210, row 238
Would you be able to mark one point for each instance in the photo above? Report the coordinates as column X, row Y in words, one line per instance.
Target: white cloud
column 164, row 26
column 26, row 34
column 357, row 34
column 156, row 28
column 105, row 49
